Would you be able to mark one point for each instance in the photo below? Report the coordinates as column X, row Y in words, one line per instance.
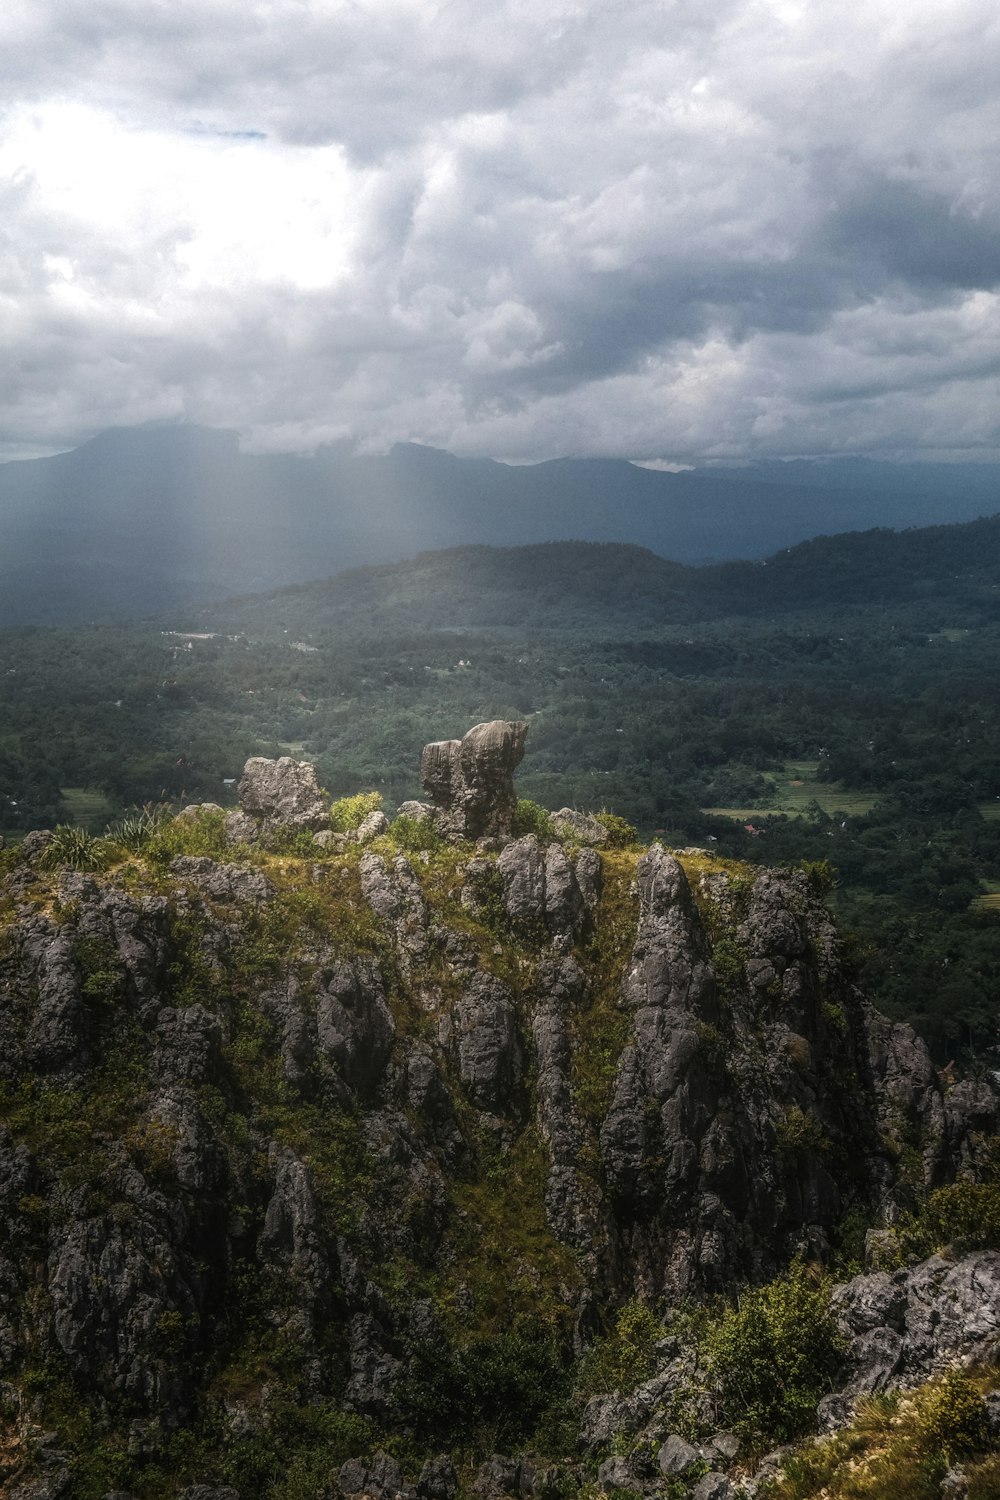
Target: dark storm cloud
column 895, row 231
column 668, row 230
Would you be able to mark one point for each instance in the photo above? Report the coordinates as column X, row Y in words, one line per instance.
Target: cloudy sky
column 677, row 231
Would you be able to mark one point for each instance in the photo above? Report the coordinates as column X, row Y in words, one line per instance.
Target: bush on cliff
column 773, row 1355
column 349, row 813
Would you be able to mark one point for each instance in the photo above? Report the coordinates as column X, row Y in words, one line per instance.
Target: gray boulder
column 676, row 1455
column 372, row 827
column 589, row 877
column 615, row 1474
column 438, row 1479
column 497, row 1477
column 290, row 1241
column 713, row 1486
column 395, row 896
column 374, row 1371
column 283, row 793
column 241, row 828
column 583, row 827
column 540, row 888
column 34, row 844
column 471, row 781
column 226, row 883
column 379, row 1476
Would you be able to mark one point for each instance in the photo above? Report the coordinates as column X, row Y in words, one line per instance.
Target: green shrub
column 137, row 827
column 621, row 834
column 773, row 1355
column 820, row 875
column 349, row 813
column 297, row 842
column 951, row 1416
column 200, row 833
column 623, row 1359
column 76, row 848
column 728, row 965
column 530, row 818
column 412, row 835
column 799, row 1134
column 965, row 1215
column 488, row 1392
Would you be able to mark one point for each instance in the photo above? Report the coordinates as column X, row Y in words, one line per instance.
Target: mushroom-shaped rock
column 283, row 791
column 471, row 781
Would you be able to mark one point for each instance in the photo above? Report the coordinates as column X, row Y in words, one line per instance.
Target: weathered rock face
column 489, row 1061
column 256, row 1121
column 471, row 781
column 282, row 793
column 902, row 1326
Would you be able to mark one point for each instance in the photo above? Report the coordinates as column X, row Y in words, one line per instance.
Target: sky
column 677, row 232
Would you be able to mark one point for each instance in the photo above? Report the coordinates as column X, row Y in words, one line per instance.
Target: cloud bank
column 666, row 231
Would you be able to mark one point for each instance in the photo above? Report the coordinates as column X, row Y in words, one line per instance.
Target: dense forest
column 836, row 704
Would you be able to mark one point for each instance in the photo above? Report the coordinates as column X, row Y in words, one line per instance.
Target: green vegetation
column 487, row 1392
column 902, row 1445
column 348, row 813
column 773, row 1355
column 623, row 1358
column 530, row 818
column 77, row 848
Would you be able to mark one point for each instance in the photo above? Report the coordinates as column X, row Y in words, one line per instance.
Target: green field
column 989, row 900
column 86, row 808
column 990, row 810
column 795, row 789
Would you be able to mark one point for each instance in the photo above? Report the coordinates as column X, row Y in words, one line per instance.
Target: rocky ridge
column 289, row 1141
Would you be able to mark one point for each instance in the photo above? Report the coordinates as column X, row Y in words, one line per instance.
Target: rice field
column 990, row 899
column 86, row 807
column 795, row 789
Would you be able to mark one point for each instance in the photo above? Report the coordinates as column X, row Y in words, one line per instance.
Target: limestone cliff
column 287, row 1140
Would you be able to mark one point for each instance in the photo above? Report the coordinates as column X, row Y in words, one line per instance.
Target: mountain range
column 140, row 520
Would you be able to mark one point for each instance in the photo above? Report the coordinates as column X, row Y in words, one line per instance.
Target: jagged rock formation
column 904, row 1325
column 268, row 1139
column 470, row 781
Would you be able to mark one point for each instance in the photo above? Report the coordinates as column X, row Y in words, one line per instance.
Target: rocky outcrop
column 395, row 895
column 305, row 1127
column 282, row 793
column 354, row 1027
column 902, row 1326
column 471, row 781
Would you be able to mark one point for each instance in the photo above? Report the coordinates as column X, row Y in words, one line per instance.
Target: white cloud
column 667, row 231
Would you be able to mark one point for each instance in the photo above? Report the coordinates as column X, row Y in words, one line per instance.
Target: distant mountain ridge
column 603, row 587
column 140, row 520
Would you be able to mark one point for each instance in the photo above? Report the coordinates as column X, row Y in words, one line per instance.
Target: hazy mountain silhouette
column 137, row 520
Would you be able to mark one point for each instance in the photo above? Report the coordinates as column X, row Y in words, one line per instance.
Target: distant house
column 755, row 833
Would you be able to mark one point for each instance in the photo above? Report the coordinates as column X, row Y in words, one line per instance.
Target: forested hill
column 586, row 586
column 147, row 519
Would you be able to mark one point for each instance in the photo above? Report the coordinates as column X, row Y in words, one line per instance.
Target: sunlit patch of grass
column 901, row 1444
